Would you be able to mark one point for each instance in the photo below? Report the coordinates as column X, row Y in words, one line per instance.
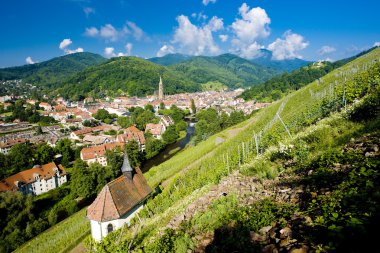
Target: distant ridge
column 51, row 73
column 170, row 59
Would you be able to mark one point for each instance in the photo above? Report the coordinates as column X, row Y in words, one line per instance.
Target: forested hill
column 136, row 76
column 52, row 72
column 281, row 85
column 170, row 59
column 228, row 69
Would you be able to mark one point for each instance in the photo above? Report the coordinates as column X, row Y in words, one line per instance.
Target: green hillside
column 136, row 76
column 227, row 69
column 281, row 85
column 265, row 149
column 170, row 59
column 52, row 72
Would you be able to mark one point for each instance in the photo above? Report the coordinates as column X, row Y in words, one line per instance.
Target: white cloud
column 288, row 47
column 251, row 27
column 215, row 24
column 65, row 43
column 136, row 31
column 128, row 47
column 91, row 32
column 376, row 44
column 88, row 11
column 29, row 60
column 223, row 37
column 109, row 52
column 196, row 40
column 326, row 50
column 78, row 50
column 109, row 32
column 164, row 50
column 206, row 2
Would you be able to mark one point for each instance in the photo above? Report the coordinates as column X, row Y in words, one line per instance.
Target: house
column 38, row 180
column 155, row 129
column 132, row 133
column 97, row 139
column 5, row 147
column 118, row 202
column 166, row 121
column 46, row 106
column 98, row 153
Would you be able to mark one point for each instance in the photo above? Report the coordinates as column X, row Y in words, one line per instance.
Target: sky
column 37, row 30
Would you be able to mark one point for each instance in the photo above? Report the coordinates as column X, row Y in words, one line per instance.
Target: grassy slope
column 196, row 161
column 62, row 237
column 299, row 106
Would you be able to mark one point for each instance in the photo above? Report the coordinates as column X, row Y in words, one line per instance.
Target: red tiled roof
column 118, row 197
column 27, row 176
column 11, row 143
column 98, row 151
column 155, row 129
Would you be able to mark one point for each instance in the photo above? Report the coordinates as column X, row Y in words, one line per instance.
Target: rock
column 285, row 232
column 271, row 248
column 310, row 172
column 284, row 242
column 265, row 230
column 272, row 232
column 255, row 237
column 298, row 249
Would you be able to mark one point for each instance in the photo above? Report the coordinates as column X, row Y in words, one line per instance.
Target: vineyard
column 189, row 174
column 62, row 237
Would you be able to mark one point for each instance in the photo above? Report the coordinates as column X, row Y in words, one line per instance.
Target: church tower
column 160, row 90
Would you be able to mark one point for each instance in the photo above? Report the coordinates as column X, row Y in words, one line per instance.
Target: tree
column 82, row 180
column 124, row 122
column 114, row 161
column 149, row 107
column 43, row 154
column 170, row 135
column 193, row 108
column 63, row 147
column 152, row 147
column 39, row 130
column 21, row 156
column 145, row 118
column 162, row 106
column 181, row 126
column 134, row 155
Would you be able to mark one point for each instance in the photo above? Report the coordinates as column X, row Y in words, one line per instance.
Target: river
column 170, row 150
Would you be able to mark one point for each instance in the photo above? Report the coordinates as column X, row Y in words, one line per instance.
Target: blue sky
column 37, row 30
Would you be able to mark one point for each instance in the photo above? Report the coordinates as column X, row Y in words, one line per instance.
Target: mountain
column 52, row 72
column 228, row 69
column 279, row 86
column 136, row 76
column 265, row 59
column 170, row 59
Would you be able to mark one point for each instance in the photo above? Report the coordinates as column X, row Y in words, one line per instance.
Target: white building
column 5, row 147
column 38, row 180
column 118, row 202
column 98, row 153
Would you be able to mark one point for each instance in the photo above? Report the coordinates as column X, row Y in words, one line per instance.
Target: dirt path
column 80, row 248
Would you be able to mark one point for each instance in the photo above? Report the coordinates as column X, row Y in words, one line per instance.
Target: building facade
column 35, row 181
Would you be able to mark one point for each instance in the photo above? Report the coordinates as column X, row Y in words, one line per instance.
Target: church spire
column 126, row 168
column 160, row 90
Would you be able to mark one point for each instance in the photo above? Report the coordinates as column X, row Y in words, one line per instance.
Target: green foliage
column 135, row 76
column 152, row 147
column 104, row 116
column 134, row 154
column 144, row 118
column 170, row 135
column 281, row 85
column 227, row 69
column 51, row 73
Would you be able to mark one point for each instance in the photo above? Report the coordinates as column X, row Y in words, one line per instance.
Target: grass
column 62, row 237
